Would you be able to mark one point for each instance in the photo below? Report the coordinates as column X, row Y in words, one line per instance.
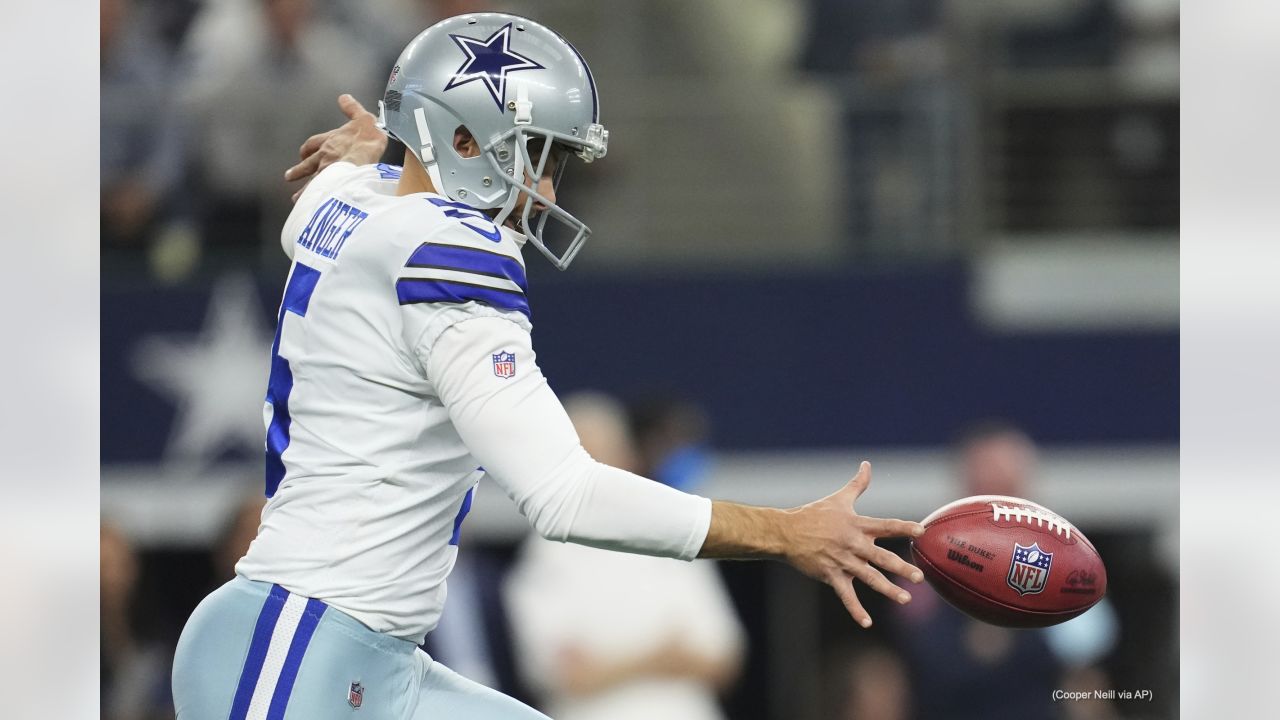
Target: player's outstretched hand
column 830, row 542
column 357, row 141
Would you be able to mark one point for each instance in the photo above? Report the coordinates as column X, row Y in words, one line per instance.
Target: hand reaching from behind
column 358, row 141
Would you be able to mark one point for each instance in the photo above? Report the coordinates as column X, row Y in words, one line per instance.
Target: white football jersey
column 377, row 428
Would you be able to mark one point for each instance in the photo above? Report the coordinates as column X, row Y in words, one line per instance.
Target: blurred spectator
column 1148, row 57
column 961, row 668
column 264, row 75
column 886, row 37
column 240, row 530
column 887, row 63
column 135, row 674
column 871, row 684
column 141, row 151
column 612, row 636
column 171, row 19
column 1061, row 33
column 670, row 437
column 996, row 458
column 386, row 26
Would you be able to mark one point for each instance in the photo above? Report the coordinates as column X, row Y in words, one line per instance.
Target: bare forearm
column 825, row 539
column 742, row 532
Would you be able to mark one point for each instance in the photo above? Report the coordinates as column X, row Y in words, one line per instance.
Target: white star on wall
column 217, row 379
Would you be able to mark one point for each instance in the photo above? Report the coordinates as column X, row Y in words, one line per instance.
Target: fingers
column 313, row 144
column 883, row 528
column 876, row 580
column 858, row 484
column 304, row 169
column 893, row 563
column 309, row 154
column 844, row 590
column 350, row 106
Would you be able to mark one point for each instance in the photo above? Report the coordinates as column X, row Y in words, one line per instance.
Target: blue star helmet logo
column 489, row 61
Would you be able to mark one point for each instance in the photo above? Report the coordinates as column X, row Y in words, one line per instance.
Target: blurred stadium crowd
column 870, row 156
column 908, row 129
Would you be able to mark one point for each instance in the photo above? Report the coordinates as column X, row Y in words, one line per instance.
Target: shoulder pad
column 469, row 259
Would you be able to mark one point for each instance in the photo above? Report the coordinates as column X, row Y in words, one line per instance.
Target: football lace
column 1041, row 517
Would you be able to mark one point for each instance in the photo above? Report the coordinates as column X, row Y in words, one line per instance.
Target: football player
column 402, row 373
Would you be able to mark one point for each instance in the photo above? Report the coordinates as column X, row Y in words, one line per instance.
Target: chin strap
column 524, row 116
column 505, row 210
column 426, row 152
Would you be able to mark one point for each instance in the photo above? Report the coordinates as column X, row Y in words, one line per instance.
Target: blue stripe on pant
column 258, row 651
column 275, row 630
column 253, row 651
column 289, row 673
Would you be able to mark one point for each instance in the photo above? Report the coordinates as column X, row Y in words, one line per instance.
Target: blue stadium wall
column 793, row 360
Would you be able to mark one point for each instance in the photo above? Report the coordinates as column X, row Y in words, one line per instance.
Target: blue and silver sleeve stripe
column 439, row 273
column 471, row 260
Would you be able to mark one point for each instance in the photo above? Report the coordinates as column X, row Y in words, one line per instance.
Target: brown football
column 1010, row 562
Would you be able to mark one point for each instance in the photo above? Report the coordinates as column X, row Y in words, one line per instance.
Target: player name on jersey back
column 330, row 226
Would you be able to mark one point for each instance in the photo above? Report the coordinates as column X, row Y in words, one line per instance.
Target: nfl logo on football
column 1029, row 571
column 504, row 364
column 355, row 696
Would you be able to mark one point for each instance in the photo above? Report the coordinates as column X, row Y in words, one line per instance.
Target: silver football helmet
column 511, row 83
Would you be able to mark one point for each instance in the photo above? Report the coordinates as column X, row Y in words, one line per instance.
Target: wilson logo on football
column 1029, row 571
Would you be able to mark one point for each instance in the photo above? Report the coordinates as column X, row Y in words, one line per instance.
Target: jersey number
column 462, row 210
column 297, row 296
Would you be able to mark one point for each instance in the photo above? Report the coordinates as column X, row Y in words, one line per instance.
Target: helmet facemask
column 561, row 240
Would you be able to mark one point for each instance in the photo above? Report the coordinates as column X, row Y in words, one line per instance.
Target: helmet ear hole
column 464, row 143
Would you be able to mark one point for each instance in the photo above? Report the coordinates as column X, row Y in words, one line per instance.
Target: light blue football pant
column 253, row 651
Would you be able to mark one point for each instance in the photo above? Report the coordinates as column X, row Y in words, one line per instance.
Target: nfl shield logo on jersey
column 1029, row 570
column 355, row 696
column 504, row 364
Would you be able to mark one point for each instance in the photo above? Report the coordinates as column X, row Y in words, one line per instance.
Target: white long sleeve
column 517, row 429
